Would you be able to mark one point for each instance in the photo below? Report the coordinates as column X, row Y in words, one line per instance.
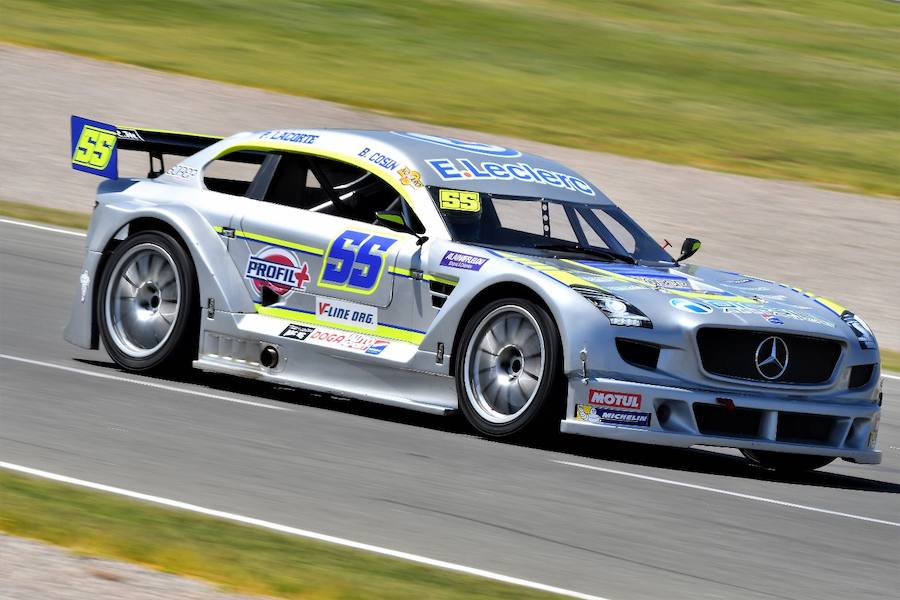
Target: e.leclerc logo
column 278, row 270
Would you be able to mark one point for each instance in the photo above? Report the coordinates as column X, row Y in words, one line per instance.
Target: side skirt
column 232, row 344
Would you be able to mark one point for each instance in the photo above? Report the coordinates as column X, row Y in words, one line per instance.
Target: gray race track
column 423, row 484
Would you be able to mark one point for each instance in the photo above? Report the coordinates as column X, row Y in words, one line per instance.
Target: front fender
column 580, row 324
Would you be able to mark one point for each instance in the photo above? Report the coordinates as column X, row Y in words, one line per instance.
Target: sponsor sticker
column 690, row 306
column 356, row 342
column 130, row 135
column 297, row 332
column 597, row 415
column 460, row 200
column 768, row 313
column 458, row 260
column 278, row 270
column 298, row 137
column 614, row 399
column 666, row 282
column 85, row 281
column 182, row 172
column 410, row 177
column 377, row 158
column 459, row 169
column 346, row 313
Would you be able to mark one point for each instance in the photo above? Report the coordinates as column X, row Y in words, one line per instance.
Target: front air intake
column 860, row 375
column 639, row 354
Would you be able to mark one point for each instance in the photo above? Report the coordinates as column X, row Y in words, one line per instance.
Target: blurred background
column 799, row 98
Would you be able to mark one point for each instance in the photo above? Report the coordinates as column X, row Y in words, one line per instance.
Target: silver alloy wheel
column 504, row 362
column 142, row 299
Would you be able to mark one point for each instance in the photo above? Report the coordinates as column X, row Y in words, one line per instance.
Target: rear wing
column 95, row 146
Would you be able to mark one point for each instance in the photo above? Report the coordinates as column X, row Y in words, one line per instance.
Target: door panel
column 296, row 253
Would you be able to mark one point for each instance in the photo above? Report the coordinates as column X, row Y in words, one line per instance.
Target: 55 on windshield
column 544, row 226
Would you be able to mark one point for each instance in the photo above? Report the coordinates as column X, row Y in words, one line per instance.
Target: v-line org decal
column 383, row 330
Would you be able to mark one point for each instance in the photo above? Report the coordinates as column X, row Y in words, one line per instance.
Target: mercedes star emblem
column 772, row 357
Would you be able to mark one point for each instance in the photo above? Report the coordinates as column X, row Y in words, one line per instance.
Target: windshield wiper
column 590, row 251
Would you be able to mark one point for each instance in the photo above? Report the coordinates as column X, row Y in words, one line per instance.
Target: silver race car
column 439, row 275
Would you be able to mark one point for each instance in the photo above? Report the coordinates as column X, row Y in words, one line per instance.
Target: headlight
column 618, row 311
column 861, row 329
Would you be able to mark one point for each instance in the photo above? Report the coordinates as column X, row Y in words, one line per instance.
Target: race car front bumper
column 672, row 416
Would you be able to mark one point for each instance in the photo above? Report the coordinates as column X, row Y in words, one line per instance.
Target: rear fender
column 217, row 277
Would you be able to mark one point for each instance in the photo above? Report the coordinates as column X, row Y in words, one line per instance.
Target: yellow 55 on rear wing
column 95, row 146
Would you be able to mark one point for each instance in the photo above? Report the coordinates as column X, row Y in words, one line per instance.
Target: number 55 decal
column 355, row 262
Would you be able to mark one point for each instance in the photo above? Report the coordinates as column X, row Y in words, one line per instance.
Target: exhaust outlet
column 268, row 357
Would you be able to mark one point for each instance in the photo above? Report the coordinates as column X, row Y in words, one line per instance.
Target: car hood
column 696, row 295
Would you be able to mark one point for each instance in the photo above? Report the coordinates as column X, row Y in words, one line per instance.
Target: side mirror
column 688, row 248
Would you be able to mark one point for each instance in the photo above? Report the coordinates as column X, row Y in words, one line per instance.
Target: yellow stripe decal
column 407, row 273
column 440, row 279
column 830, row 305
column 563, row 277
column 278, row 242
column 382, row 331
column 683, row 293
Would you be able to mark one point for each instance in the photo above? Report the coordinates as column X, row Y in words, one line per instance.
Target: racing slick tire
column 508, row 370
column 782, row 461
column 146, row 308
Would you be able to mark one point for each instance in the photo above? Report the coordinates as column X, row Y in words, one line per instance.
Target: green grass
column 237, row 557
column 803, row 90
column 41, row 214
column 890, row 360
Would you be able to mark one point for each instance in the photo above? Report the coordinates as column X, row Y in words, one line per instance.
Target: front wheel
column 508, row 369
column 783, row 461
column 146, row 304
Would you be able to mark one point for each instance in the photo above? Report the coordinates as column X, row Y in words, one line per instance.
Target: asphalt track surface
column 620, row 521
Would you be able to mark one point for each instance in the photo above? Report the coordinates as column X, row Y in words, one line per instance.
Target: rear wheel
column 146, row 309
column 783, row 461
column 508, row 369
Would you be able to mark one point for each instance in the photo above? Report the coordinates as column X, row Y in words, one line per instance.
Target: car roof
column 439, row 161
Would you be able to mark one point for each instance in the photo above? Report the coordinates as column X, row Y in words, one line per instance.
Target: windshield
column 545, row 227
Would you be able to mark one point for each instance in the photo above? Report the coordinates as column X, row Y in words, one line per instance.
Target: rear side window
column 232, row 173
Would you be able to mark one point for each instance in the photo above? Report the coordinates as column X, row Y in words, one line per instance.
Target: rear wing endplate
column 95, row 146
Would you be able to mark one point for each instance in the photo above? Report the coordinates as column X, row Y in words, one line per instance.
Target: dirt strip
column 34, row 569
column 842, row 246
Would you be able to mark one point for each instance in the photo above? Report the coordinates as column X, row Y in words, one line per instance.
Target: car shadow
column 626, row 453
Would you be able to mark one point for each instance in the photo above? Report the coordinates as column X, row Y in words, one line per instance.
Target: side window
column 232, row 173
column 307, row 182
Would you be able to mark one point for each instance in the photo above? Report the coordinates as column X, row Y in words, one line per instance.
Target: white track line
column 44, row 227
column 728, row 493
column 431, row 562
column 891, row 376
column 153, row 384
